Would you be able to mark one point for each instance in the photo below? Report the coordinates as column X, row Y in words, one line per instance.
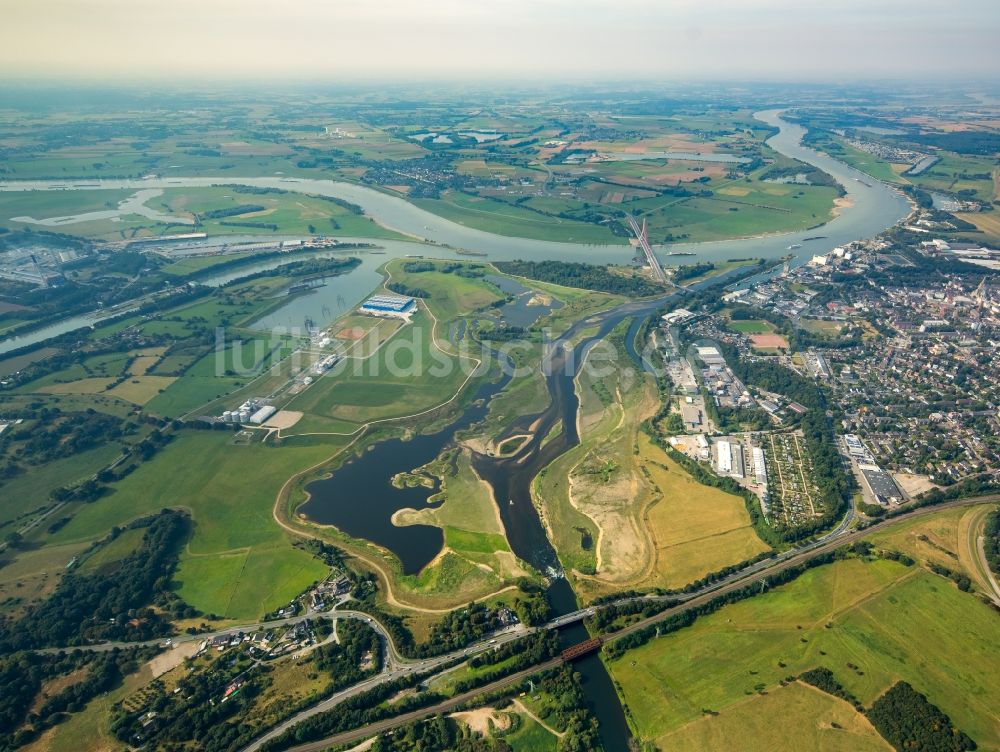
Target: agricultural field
column 621, row 513
column 949, row 540
column 502, row 218
column 870, row 622
column 230, row 491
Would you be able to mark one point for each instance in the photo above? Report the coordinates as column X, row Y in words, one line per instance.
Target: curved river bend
column 872, row 208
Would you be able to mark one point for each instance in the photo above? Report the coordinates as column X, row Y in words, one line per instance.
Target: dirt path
column 972, row 552
column 524, row 709
column 278, row 511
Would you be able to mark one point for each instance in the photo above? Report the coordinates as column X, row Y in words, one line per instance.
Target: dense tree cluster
column 576, row 274
column 23, row 676
column 531, row 605
column 106, row 605
column 503, row 333
column 437, row 734
column 909, row 721
column 460, row 627
column 568, row 705
column 823, row 678
column 408, row 290
column 690, row 271
column 471, row 271
column 62, row 434
column 357, row 644
column 991, row 540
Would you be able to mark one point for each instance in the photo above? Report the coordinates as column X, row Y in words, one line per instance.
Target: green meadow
column 872, row 623
column 230, row 491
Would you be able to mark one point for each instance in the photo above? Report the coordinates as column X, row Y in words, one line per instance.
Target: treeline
column 329, row 266
column 503, row 333
column 109, row 605
column 362, row 709
column 576, row 274
column 614, row 617
column 437, row 733
column 256, row 258
column 909, row 721
column 458, row 628
column 254, row 225
column 961, row 580
column 991, row 540
column 408, row 290
column 618, row 647
column 451, row 267
column 526, row 652
column 822, row 678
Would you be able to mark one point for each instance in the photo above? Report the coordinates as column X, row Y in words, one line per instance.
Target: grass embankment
column 871, row 622
column 621, row 514
column 399, row 389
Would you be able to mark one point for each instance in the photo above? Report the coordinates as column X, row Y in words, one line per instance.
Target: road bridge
column 642, row 235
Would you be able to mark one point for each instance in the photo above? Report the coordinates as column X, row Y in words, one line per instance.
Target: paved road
column 401, row 669
column 448, row 705
column 839, row 537
column 397, row 666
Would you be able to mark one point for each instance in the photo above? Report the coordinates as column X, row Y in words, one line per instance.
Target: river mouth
column 876, row 207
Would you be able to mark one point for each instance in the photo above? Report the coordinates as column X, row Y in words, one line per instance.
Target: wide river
column 870, row 208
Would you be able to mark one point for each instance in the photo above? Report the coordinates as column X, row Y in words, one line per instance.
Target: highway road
column 755, row 573
column 397, row 666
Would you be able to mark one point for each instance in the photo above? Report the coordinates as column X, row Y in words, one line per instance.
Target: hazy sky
column 538, row 39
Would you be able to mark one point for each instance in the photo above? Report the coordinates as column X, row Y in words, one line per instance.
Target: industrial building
column 711, row 356
column 678, row 316
column 881, row 485
column 253, row 412
column 759, row 466
column 729, row 459
column 396, row 306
